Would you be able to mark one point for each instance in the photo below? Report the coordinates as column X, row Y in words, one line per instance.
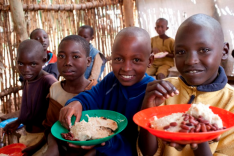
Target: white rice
column 195, row 110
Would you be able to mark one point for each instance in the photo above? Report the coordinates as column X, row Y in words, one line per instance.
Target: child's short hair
column 88, row 27
column 80, row 40
column 31, row 34
column 162, row 19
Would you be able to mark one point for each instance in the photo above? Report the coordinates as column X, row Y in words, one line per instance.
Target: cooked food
column 95, row 128
column 160, row 55
column 199, row 118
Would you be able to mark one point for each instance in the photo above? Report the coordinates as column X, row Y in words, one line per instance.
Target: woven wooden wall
column 58, row 18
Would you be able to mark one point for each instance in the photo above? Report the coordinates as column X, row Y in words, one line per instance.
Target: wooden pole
column 18, row 19
column 128, row 13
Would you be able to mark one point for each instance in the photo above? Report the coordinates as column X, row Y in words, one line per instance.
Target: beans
column 173, row 124
column 186, row 118
column 189, row 124
column 166, row 127
column 193, row 121
column 203, row 127
column 208, row 127
column 191, row 130
column 184, row 127
column 198, row 128
column 183, row 131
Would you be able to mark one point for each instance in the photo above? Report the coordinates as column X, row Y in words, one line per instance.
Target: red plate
column 13, row 149
column 143, row 117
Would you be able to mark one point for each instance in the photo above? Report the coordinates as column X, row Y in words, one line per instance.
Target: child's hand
column 11, row 127
column 157, row 92
column 74, row 108
column 85, row 147
column 155, row 50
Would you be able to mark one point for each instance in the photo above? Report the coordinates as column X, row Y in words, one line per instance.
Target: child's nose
column 192, row 58
column 126, row 66
column 67, row 61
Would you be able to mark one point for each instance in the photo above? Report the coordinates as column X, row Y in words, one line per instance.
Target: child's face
column 86, row 34
column 30, row 64
column 161, row 27
column 198, row 54
column 72, row 60
column 130, row 59
column 42, row 36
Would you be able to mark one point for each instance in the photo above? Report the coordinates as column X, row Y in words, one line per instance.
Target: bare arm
column 147, row 142
column 203, row 150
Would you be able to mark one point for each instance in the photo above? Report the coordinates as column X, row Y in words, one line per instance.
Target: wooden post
column 128, row 13
column 17, row 15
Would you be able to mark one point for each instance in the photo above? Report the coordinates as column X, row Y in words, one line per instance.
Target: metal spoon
column 1, row 142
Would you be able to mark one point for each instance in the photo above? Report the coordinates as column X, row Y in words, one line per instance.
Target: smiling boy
column 199, row 49
column 121, row 90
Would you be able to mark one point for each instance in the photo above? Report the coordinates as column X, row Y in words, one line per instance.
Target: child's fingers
column 65, row 117
column 193, row 146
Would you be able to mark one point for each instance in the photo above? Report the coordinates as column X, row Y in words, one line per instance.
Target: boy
column 199, row 49
column 73, row 59
column 121, row 90
column 97, row 65
column 161, row 43
column 30, row 59
column 50, row 65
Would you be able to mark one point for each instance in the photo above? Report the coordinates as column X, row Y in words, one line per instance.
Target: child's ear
column 225, row 50
column 89, row 59
column 167, row 28
column 92, row 37
column 151, row 59
column 44, row 60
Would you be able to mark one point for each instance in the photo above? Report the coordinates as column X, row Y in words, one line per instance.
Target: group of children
column 127, row 89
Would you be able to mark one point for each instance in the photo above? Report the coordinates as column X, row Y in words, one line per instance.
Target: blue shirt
column 110, row 94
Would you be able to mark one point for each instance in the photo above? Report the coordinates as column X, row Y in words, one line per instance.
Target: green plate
column 121, row 120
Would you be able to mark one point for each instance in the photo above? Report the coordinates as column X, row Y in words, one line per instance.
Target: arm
column 203, row 150
column 96, row 68
column 156, row 93
column 32, row 149
column 152, row 145
column 52, row 146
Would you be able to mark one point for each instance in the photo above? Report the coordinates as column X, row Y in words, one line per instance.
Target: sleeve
column 117, row 146
column 96, row 68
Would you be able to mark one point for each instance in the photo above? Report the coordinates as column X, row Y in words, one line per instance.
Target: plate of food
column 12, row 150
column 185, row 123
column 95, row 127
column 160, row 55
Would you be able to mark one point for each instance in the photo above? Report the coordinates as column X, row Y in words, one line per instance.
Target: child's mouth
column 127, row 77
column 27, row 76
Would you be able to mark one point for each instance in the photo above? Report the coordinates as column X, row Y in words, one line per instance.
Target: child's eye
column 33, row 64
column 61, row 56
column 20, row 64
column 118, row 59
column 136, row 60
column 204, row 50
column 76, row 56
column 180, row 52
